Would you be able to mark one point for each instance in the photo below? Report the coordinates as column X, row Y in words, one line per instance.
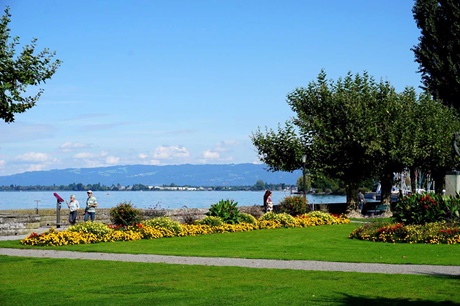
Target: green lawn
column 39, row 281
column 325, row 243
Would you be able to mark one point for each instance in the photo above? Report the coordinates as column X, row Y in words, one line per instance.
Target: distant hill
column 187, row 174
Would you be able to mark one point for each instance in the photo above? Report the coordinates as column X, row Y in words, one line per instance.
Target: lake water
column 146, row 199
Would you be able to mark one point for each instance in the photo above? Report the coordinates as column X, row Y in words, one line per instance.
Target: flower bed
column 93, row 232
column 430, row 233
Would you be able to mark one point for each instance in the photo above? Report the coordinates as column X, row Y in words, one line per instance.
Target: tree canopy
column 18, row 71
column 438, row 51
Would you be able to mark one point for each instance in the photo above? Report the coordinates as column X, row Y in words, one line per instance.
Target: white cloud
column 208, row 154
column 219, row 152
column 142, row 156
column 35, row 157
column 225, row 146
column 2, row 163
column 85, row 155
column 69, row 146
column 170, row 152
column 112, row 160
column 37, row 167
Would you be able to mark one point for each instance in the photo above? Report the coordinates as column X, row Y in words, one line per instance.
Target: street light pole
column 304, row 160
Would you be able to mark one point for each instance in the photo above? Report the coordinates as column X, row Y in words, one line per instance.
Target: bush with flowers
column 293, row 205
column 430, row 233
column 125, row 214
column 99, row 229
column 426, row 208
column 284, row 219
column 248, row 218
column 164, row 222
column 211, row 221
column 92, row 232
column 315, row 218
column 418, row 218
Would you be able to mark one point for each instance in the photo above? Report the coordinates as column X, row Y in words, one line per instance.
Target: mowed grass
column 41, row 281
column 324, row 243
column 38, row 281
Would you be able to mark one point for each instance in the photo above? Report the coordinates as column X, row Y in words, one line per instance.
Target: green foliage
column 300, row 185
column 124, row 214
column 293, row 205
column 97, row 228
column 211, row 221
column 164, row 222
column 20, row 71
column 438, row 50
column 247, row 218
column 226, row 210
column 281, row 149
column 260, row 185
column 426, row 208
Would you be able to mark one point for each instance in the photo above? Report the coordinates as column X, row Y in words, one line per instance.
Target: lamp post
column 304, row 160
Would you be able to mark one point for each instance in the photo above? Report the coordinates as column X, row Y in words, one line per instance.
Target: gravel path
column 241, row 262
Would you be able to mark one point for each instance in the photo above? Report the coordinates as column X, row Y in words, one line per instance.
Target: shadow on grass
column 356, row 300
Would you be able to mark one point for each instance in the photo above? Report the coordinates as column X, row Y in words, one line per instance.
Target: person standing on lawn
column 91, row 204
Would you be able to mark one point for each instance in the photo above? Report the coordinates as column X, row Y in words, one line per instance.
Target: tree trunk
column 439, row 180
column 413, row 186
column 386, row 183
column 352, row 197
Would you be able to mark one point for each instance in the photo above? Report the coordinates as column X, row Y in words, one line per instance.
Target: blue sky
column 176, row 82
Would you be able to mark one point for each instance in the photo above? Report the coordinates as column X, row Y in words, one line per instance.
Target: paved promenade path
column 241, row 262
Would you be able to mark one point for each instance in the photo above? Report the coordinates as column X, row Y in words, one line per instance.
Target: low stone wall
column 23, row 222
column 18, row 224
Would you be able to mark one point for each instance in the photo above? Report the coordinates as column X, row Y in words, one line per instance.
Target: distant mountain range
column 180, row 175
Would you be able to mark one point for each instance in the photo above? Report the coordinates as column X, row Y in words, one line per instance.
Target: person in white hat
column 91, row 204
column 73, row 206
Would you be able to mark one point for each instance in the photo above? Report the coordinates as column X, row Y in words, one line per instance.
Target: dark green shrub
column 293, row 205
column 426, row 208
column 226, row 210
column 124, row 214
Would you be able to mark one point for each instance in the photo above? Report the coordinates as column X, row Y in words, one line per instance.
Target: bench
column 378, row 208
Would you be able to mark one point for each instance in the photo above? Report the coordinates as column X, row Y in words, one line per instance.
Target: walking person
column 268, row 204
column 91, row 204
column 73, row 206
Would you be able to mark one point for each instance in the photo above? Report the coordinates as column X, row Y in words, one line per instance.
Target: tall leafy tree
column 342, row 126
column 18, row 71
column 438, row 51
column 434, row 127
